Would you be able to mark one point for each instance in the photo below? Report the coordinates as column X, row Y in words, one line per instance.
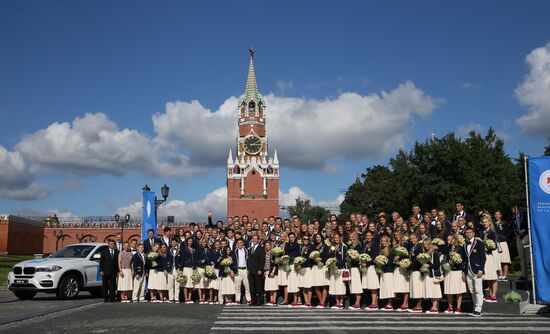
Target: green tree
column 547, row 149
column 437, row 173
column 308, row 212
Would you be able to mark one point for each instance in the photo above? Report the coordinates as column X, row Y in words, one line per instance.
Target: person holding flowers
column 213, row 282
column 492, row 262
column 503, row 235
column 303, row 268
column 454, row 284
column 337, row 286
column 282, row 274
column 292, row 250
column 355, row 287
column 432, row 278
column 160, row 276
column 125, row 279
column 369, row 278
column 152, row 284
column 187, row 251
column 270, row 272
column 200, row 266
column 385, row 267
column 228, row 265
column 416, row 279
column 321, row 281
column 400, row 273
column 173, row 266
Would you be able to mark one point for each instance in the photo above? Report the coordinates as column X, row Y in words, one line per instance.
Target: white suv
column 66, row 272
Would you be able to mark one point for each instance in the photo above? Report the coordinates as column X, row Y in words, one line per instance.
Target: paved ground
column 87, row 315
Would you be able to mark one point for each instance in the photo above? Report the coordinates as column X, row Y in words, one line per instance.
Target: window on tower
column 251, row 106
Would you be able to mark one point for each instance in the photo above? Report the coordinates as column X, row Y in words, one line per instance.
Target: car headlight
column 48, row 269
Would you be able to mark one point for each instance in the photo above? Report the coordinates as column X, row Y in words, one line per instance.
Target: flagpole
column 525, row 157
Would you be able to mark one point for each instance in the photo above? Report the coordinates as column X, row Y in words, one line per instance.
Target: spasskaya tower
column 253, row 176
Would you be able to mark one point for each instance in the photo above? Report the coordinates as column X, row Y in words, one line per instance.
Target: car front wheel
column 24, row 295
column 69, row 287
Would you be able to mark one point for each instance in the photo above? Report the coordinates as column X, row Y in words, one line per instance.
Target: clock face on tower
column 252, row 144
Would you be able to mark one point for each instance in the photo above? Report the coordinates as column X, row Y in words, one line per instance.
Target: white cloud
column 308, row 133
column 294, row 192
column 533, row 93
column 464, row 130
column 94, row 145
column 284, row 85
column 216, row 201
column 16, row 181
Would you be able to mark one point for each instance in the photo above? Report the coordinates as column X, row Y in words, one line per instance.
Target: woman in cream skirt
column 454, row 284
column 125, row 280
column 432, row 288
column 386, row 276
column 490, row 273
column 270, row 272
column 337, row 287
column 416, row 279
column 321, row 279
column 370, row 280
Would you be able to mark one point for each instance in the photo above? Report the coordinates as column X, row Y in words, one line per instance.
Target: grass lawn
column 7, row 262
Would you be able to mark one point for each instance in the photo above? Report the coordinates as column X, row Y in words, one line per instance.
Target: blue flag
column 149, row 219
column 539, row 209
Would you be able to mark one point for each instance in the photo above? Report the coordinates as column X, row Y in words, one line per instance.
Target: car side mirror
column 96, row 256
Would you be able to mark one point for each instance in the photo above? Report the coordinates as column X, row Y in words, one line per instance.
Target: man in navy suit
column 173, row 264
column 150, row 241
column 473, row 269
column 138, row 273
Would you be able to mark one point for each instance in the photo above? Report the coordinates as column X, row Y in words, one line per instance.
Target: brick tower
column 253, row 176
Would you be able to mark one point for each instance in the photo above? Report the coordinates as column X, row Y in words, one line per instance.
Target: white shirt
column 231, row 242
column 469, row 247
column 241, row 258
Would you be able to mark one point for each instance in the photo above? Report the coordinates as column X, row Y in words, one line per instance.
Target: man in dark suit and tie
column 150, row 241
column 473, row 269
column 108, row 269
column 255, row 265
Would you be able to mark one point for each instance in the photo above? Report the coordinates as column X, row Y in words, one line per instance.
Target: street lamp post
column 165, row 191
column 124, row 221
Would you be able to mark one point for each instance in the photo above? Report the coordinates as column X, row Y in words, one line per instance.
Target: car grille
column 17, row 270
column 29, row 270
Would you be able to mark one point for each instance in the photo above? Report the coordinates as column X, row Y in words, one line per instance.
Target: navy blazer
column 147, row 244
column 460, row 251
column 340, row 253
column 292, row 250
column 200, row 258
column 305, row 252
column 213, row 256
column 390, row 266
column 475, row 260
column 138, row 264
column 372, row 249
column 413, row 252
column 172, row 261
column 187, row 257
column 233, row 266
column 435, row 265
column 161, row 261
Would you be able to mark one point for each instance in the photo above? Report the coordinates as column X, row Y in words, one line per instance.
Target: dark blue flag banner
column 149, row 219
column 539, row 212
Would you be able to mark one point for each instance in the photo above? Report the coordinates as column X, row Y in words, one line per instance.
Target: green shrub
column 512, row 297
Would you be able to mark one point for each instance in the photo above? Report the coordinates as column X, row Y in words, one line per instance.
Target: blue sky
column 60, row 60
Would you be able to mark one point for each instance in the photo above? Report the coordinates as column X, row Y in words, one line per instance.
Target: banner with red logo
column 539, row 210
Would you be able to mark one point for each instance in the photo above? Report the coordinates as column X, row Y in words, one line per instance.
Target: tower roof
column 251, row 91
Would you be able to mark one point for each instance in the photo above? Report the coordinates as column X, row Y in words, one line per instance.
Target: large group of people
column 287, row 262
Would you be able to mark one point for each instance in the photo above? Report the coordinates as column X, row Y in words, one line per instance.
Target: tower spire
column 251, row 92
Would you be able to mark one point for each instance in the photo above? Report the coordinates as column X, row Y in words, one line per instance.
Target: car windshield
column 76, row 251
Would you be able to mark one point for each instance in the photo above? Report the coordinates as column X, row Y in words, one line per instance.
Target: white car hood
column 49, row 261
